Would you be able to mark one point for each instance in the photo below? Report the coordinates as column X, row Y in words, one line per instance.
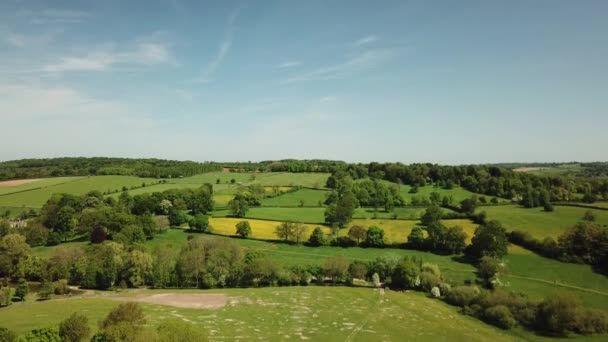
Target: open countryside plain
column 304, row 312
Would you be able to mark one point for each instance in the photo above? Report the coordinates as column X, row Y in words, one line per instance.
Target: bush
column 558, row 315
column 317, row 238
column 499, row 316
column 7, row 335
column 374, row 237
column 342, row 241
column 243, row 229
column 462, row 295
column 74, row 328
column 429, row 280
column 54, row 239
column 46, row 290
column 405, row 274
column 61, row 287
column 593, row 322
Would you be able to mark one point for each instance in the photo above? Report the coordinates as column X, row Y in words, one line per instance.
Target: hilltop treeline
column 57, row 167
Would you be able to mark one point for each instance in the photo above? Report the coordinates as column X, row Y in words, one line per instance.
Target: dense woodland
column 59, row 167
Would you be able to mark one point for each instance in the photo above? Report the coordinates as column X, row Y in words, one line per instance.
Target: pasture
column 539, row 223
column 526, row 272
column 302, row 197
column 37, row 196
column 273, row 314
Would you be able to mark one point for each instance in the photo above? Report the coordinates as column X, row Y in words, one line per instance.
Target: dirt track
column 17, row 182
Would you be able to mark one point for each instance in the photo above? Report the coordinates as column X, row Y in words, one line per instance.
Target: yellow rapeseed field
column 260, row 229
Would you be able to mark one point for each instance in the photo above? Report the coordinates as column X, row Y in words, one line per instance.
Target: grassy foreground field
column 539, row 223
column 275, row 314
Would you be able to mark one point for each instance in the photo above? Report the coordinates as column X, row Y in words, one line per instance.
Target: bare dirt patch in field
column 17, row 182
column 527, row 169
column 183, row 300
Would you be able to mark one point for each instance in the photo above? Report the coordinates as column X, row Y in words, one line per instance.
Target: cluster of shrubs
column 557, row 315
column 548, row 247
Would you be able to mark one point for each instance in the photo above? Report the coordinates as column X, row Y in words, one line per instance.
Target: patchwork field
column 302, row 197
column 273, row 314
column 539, row 223
column 73, row 185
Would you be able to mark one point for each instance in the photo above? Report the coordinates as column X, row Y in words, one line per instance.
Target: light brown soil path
column 17, row 182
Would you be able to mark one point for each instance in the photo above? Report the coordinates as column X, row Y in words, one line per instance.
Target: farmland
column 539, row 223
column 316, row 313
column 299, row 198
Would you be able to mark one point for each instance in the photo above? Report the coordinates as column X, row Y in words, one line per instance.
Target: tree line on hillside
column 58, row 167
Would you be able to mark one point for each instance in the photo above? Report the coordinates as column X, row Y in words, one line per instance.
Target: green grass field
column 539, row 223
column 275, row 314
column 37, row 184
column 308, row 197
column 77, row 186
column 526, row 271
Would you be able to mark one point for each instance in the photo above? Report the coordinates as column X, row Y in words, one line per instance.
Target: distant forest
column 61, row 167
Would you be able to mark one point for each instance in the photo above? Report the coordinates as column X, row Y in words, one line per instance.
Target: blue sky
column 413, row 81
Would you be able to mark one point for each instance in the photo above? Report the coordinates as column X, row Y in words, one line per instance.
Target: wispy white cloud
column 364, row 61
column 289, row 64
column 103, row 59
column 53, row 16
column 366, row 40
column 15, row 39
column 223, row 49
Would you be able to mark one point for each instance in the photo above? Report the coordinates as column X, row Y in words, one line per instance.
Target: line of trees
column 57, row 167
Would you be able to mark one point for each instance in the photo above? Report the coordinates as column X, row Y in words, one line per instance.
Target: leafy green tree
column 589, row 216
column 148, row 223
column 490, row 239
column 317, row 238
column 75, row 328
column 176, row 217
column 488, row 269
column 416, row 238
column 43, row 335
column 432, row 215
column 435, row 198
column 357, row 233
column 335, row 268
column 469, row 205
column 22, row 289
column 163, row 266
column 285, row 230
column 14, row 252
column 175, row 330
column 239, row 205
column 199, row 223
column 66, row 222
column 405, row 274
column 243, row 229
column 138, row 268
column 374, row 237
column 46, row 290
column 454, row 240
column 123, row 323
column 7, row 335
